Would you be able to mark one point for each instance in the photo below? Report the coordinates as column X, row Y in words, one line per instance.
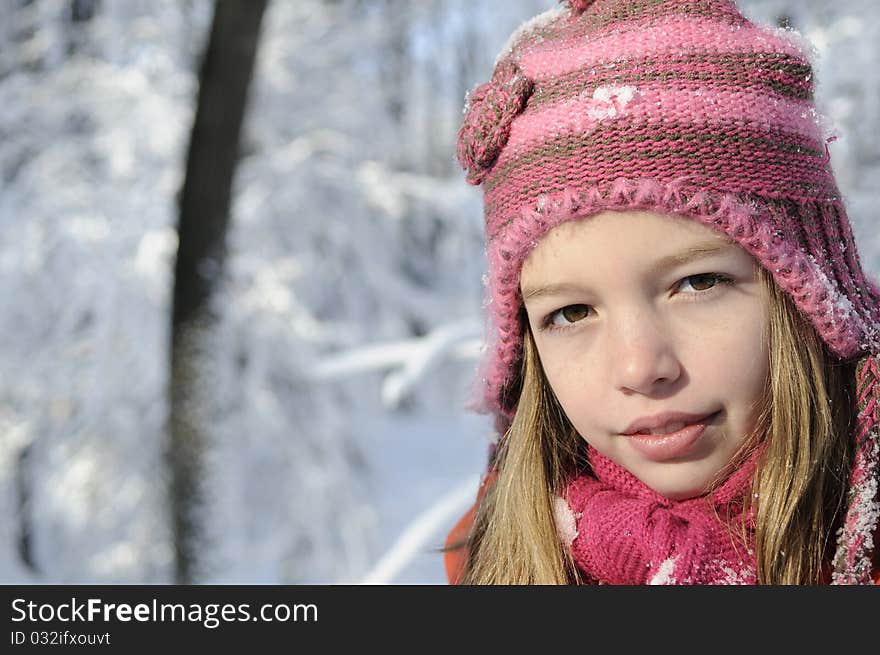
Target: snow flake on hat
column 610, row 101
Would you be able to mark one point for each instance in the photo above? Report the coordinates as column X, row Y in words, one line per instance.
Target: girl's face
column 636, row 315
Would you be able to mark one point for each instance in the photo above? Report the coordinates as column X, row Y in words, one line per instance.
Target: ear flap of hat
column 855, row 545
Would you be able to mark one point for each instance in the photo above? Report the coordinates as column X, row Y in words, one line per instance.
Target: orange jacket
column 454, row 559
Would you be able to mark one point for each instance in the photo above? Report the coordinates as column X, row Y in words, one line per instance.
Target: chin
column 678, row 489
column 676, row 493
column 681, row 479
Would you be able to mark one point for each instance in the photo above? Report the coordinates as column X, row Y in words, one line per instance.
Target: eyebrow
column 694, row 253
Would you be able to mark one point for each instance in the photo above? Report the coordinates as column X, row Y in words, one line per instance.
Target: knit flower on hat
column 578, row 6
column 489, row 113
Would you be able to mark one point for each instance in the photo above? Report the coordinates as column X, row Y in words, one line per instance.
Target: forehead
column 612, row 223
column 619, row 241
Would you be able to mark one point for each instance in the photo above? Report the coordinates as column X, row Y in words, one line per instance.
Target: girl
column 684, row 362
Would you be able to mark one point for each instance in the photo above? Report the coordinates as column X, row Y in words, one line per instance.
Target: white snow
column 663, row 576
column 566, row 523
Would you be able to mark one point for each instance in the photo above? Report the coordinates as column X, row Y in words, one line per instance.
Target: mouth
column 673, row 441
column 672, row 426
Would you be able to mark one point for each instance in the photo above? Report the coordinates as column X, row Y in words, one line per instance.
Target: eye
column 569, row 315
column 705, row 282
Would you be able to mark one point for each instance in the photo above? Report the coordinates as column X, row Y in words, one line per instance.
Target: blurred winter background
column 284, row 402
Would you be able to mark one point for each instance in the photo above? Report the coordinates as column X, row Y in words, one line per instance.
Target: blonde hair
column 806, row 418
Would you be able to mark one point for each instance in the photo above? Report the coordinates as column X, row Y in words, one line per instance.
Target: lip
column 663, row 447
column 658, row 421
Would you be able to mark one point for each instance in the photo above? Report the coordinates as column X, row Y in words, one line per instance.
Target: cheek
column 741, row 356
column 575, row 384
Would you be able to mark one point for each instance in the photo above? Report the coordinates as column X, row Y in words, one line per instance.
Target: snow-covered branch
column 425, row 526
column 409, row 361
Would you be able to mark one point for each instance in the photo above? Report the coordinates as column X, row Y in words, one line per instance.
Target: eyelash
column 721, row 279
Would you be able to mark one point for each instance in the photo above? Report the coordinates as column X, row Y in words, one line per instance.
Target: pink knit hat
column 679, row 106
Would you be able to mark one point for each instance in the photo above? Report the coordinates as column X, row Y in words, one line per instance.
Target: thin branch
column 412, row 540
column 409, row 361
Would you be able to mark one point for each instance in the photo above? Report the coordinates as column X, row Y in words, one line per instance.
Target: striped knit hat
column 682, row 107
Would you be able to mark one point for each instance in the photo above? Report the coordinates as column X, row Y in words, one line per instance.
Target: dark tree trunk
column 785, row 21
column 396, row 69
column 23, row 487
column 82, row 11
column 78, row 16
column 226, row 71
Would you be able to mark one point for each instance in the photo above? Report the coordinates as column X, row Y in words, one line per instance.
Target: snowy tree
column 225, row 74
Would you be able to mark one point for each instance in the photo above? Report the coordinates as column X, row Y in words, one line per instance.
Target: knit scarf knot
column 622, row 532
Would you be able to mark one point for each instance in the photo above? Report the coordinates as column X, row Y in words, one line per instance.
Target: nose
column 643, row 356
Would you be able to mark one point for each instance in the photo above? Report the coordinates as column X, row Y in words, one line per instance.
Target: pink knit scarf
column 622, row 532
